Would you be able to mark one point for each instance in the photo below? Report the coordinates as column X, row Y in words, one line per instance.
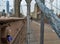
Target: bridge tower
column 17, row 7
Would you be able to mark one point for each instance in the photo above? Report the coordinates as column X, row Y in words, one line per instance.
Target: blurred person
column 3, row 13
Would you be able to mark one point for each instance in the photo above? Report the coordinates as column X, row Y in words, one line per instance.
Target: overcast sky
column 23, row 5
column 55, row 4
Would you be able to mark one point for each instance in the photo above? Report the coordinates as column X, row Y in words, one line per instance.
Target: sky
column 23, row 7
column 55, row 4
column 3, row 4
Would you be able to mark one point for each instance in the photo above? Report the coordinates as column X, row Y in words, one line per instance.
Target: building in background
column 7, row 6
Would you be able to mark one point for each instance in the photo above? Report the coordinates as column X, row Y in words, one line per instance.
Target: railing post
column 28, row 21
column 42, row 26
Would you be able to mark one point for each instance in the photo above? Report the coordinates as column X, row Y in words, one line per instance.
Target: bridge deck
column 50, row 37
column 15, row 27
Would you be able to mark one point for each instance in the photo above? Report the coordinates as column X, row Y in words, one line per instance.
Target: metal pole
column 28, row 24
column 28, row 21
column 42, row 27
column 42, row 30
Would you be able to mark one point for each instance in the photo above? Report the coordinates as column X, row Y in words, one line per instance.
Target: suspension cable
column 53, row 19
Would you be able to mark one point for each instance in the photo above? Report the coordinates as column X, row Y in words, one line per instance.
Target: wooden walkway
column 13, row 27
column 50, row 37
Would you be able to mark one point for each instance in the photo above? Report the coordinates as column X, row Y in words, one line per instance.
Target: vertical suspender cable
column 28, row 24
column 42, row 26
column 28, row 21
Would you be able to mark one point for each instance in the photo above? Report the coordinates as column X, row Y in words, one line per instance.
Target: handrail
column 10, row 19
column 17, row 34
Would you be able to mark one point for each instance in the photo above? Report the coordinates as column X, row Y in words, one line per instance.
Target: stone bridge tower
column 17, row 7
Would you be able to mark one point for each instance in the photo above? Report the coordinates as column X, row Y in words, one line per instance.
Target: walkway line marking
column 36, row 22
column 39, row 25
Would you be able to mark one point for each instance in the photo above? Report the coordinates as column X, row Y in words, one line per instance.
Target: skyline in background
column 3, row 4
column 23, row 7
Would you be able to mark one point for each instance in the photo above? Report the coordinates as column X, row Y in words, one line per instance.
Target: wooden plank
column 14, row 27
